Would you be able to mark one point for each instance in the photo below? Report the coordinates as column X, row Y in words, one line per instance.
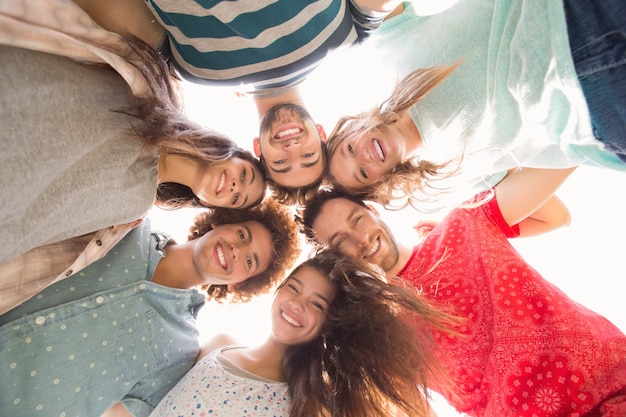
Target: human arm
column 118, row 410
column 385, row 6
column 552, row 215
column 524, row 192
column 124, row 17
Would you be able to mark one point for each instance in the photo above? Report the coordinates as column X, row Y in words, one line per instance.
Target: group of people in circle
column 98, row 309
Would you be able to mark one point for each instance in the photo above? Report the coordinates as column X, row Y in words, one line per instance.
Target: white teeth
column 287, row 132
column 373, row 249
column 379, row 150
column 290, row 319
column 220, row 185
column 221, row 257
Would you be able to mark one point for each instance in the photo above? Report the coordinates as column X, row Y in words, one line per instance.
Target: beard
column 391, row 260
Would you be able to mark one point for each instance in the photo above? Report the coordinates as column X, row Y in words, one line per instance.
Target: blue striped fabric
column 266, row 44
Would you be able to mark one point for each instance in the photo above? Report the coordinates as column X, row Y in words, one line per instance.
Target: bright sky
column 585, row 259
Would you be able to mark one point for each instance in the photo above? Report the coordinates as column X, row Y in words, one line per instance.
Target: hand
column 424, row 227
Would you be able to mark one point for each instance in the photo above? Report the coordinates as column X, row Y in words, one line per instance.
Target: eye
column 351, row 149
column 248, row 262
column 318, row 305
column 339, row 242
column 235, row 199
column 356, row 220
column 280, row 161
column 242, row 236
column 363, row 173
column 243, row 175
column 308, row 154
column 292, row 288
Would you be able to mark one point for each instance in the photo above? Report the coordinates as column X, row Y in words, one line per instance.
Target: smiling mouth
column 221, row 183
column 221, row 257
column 288, row 133
column 290, row 319
column 379, row 149
column 373, row 249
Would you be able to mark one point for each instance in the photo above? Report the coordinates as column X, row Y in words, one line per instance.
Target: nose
column 234, row 251
column 360, row 239
column 295, row 304
column 363, row 156
column 234, row 186
column 291, row 144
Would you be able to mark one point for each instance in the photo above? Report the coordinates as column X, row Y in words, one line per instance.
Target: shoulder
column 215, row 342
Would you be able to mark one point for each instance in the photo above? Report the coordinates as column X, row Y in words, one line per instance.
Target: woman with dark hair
column 341, row 343
column 92, row 124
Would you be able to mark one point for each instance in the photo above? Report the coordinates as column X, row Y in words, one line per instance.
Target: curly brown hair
column 376, row 352
column 279, row 221
column 412, row 177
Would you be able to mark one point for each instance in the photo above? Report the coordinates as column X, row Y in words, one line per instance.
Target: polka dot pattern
column 86, row 343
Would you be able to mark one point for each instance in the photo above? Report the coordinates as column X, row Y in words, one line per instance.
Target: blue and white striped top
column 266, row 45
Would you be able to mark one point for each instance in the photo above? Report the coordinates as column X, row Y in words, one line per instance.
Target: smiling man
column 291, row 147
column 123, row 328
column 516, row 351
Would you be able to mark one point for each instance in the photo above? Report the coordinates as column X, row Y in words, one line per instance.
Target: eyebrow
column 314, row 292
column 304, row 165
column 245, row 198
column 254, row 255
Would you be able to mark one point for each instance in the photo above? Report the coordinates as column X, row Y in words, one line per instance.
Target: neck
column 176, row 269
column 265, row 360
column 410, row 133
column 263, row 104
column 178, row 169
column 404, row 254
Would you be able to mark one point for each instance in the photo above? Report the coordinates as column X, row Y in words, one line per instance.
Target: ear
column 256, row 145
column 322, row 133
column 373, row 209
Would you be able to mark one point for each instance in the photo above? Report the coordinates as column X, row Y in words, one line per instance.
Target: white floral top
column 216, row 387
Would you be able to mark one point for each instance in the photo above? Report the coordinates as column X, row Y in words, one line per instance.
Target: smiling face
column 234, row 183
column 356, row 231
column 291, row 146
column 363, row 159
column 300, row 307
column 231, row 253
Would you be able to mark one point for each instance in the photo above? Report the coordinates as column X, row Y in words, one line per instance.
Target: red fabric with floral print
column 526, row 348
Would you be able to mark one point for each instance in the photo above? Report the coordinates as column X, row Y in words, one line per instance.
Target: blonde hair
column 412, row 176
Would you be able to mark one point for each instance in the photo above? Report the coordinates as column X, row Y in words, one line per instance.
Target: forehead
column 314, row 281
column 338, row 208
column 334, row 216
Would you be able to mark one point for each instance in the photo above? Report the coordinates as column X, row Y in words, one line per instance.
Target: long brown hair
column 375, row 353
column 414, row 175
column 164, row 128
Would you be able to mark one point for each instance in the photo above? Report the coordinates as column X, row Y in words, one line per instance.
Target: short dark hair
column 311, row 210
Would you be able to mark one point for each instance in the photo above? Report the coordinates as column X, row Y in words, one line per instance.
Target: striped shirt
column 267, row 45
